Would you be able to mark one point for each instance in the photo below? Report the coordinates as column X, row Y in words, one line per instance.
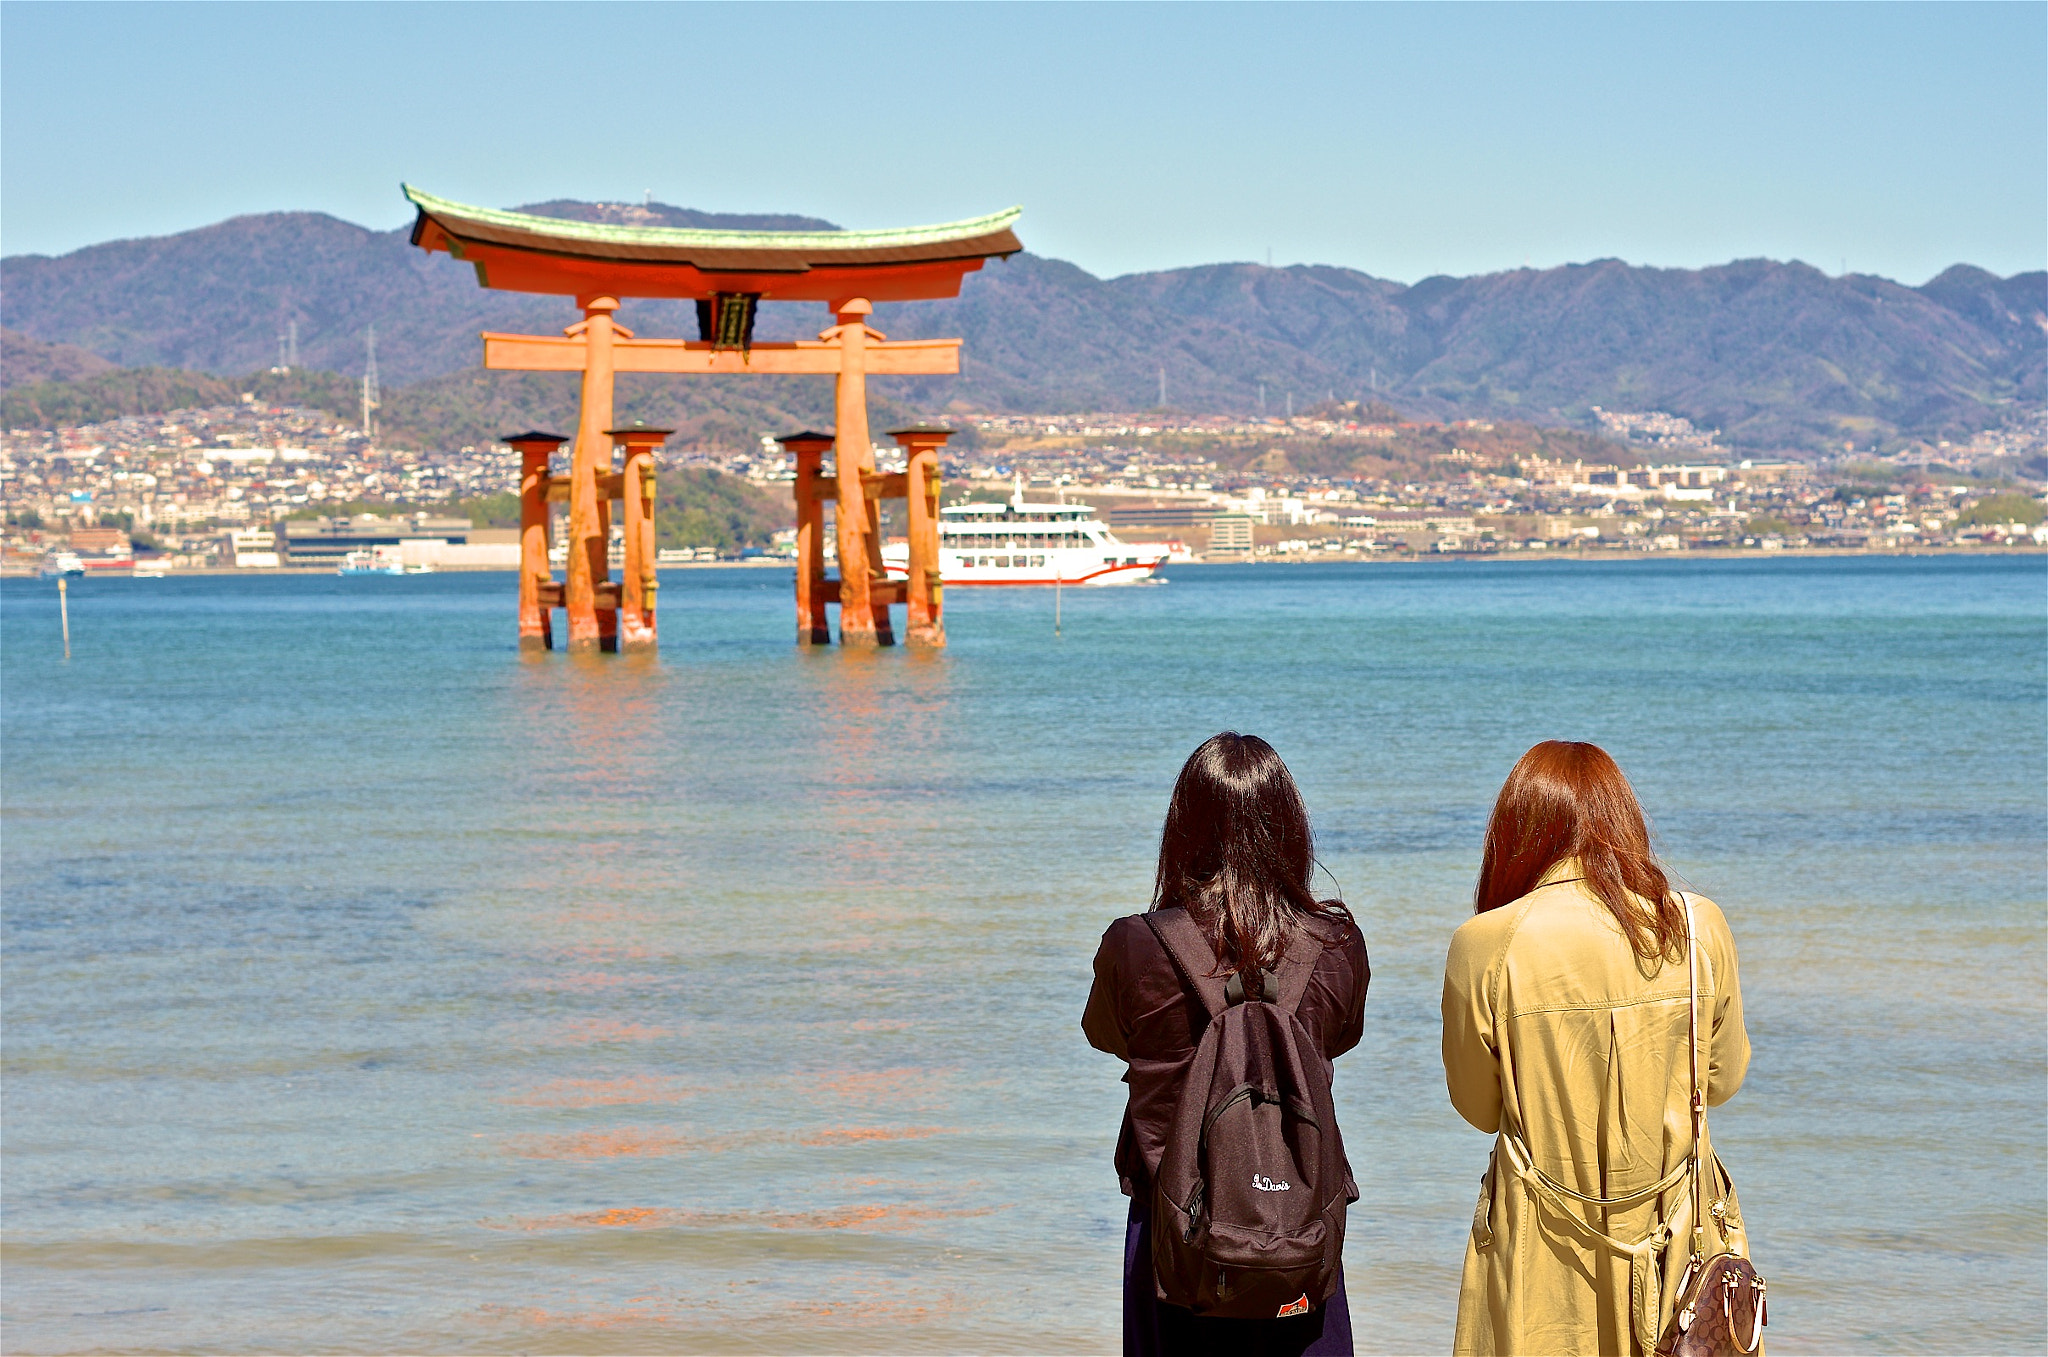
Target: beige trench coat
column 1555, row 1040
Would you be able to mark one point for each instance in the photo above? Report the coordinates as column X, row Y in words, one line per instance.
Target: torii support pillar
column 863, row 619
column 809, row 448
column 536, row 576
column 924, row 594
column 591, row 602
column 638, row 584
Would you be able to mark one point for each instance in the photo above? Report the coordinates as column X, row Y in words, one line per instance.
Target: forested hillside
column 1776, row 355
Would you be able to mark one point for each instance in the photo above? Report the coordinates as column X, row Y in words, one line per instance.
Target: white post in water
column 64, row 613
column 1059, row 575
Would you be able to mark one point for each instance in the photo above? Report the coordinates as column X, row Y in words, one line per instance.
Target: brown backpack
column 1248, row 1208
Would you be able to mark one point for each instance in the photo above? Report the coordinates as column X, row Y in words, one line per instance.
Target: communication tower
column 288, row 349
column 370, row 385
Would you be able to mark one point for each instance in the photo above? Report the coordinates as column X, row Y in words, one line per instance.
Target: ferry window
column 1038, row 562
column 1003, row 561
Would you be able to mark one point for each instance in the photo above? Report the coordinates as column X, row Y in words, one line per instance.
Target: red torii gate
column 728, row 273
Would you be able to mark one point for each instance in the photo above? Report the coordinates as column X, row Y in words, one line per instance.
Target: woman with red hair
column 1567, row 1008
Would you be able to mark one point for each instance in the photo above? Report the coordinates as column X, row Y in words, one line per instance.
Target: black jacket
column 1140, row 1012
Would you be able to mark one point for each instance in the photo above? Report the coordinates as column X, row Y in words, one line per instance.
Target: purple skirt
column 1153, row 1328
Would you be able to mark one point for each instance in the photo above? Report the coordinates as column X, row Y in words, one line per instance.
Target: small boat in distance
column 370, row 562
column 60, row 565
column 1020, row 543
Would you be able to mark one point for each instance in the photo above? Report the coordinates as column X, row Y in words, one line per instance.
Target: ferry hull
column 955, row 576
column 1108, row 575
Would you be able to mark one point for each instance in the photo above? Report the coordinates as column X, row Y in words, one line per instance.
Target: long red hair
column 1568, row 799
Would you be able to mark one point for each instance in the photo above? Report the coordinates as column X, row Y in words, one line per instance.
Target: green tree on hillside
column 126, row 391
column 2011, row 507
column 701, row 508
column 692, row 508
column 490, row 511
column 309, row 389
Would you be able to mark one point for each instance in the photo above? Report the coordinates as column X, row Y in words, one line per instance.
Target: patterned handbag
column 1720, row 1298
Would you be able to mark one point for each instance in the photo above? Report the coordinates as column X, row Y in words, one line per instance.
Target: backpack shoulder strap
column 1298, row 965
column 1192, row 956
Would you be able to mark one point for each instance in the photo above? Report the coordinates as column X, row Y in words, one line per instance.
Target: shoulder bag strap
column 1699, row 1095
column 1188, row 947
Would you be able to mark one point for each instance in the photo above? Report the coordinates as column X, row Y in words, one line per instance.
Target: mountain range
column 1778, row 356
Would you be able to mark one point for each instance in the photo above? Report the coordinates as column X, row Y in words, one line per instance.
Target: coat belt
column 1645, row 1281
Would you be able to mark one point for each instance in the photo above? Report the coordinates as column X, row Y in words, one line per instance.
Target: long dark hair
column 1237, row 852
column 1568, row 799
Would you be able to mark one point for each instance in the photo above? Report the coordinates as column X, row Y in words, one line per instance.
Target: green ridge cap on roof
column 598, row 232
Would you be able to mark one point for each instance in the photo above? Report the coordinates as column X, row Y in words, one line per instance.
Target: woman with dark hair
column 1568, row 1004
column 1236, row 857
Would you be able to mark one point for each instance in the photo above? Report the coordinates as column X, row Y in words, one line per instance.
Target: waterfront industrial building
column 326, row 541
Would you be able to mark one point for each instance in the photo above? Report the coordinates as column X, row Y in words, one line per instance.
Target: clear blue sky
column 1402, row 140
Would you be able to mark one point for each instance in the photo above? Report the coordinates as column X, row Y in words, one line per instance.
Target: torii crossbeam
column 728, row 273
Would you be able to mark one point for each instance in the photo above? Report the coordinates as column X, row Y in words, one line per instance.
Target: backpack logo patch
column 1298, row 1306
column 1265, row 1184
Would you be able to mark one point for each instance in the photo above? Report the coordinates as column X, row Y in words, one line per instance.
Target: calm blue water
column 368, row 987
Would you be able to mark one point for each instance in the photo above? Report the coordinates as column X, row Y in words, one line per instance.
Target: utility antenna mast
column 370, row 385
column 288, row 349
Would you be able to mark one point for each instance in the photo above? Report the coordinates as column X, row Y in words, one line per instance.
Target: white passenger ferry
column 373, row 561
column 1019, row 543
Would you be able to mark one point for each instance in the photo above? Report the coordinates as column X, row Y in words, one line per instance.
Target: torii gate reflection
column 728, row 273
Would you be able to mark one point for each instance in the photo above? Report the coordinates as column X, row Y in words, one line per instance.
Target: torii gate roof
column 518, row 252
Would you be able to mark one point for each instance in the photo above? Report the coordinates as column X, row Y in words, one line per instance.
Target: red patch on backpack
column 1299, row 1306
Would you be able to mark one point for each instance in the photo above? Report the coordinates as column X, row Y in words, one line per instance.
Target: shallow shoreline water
column 368, row 986
column 1292, row 558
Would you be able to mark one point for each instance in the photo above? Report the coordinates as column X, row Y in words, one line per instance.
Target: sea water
column 371, row 986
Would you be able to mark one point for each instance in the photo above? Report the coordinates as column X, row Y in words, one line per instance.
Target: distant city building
column 317, row 541
column 253, row 549
column 1230, row 535
column 1160, row 518
column 1425, row 520
column 98, row 541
